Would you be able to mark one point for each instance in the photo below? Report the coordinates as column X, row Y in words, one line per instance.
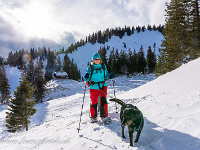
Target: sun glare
column 35, row 20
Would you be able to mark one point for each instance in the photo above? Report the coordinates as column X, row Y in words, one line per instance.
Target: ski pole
column 82, row 108
column 115, row 95
column 114, row 88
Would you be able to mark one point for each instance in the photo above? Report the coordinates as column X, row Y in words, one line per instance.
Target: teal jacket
column 97, row 76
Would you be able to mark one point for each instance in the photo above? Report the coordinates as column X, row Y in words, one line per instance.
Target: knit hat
column 95, row 56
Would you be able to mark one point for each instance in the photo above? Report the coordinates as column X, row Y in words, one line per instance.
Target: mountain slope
column 84, row 54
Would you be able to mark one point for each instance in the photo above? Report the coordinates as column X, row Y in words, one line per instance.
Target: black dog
column 132, row 117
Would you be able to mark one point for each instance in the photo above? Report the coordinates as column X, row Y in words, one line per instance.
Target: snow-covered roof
column 61, row 74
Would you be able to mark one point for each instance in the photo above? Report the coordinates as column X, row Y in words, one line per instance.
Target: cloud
column 8, row 38
column 55, row 23
column 12, row 40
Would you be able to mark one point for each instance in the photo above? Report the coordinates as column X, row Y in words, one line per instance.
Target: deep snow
column 170, row 105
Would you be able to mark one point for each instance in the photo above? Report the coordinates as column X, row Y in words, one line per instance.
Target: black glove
column 112, row 75
column 86, row 76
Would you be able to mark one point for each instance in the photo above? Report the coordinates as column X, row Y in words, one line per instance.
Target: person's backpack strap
column 103, row 67
column 92, row 70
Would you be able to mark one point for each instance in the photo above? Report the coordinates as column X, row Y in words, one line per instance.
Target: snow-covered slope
column 84, row 54
column 170, row 105
column 13, row 74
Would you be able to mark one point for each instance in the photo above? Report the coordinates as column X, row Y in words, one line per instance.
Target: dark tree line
column 181, row 33
column 104, row 36
column 132, row 62
column 21, row 57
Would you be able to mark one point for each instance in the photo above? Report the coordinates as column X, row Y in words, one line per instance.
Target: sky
column 58, row 23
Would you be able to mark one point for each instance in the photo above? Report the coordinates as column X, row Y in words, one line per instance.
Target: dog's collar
column 137, row 129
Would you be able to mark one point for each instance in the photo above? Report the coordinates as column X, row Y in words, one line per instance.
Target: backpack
column 92, row 70
column 103, row 67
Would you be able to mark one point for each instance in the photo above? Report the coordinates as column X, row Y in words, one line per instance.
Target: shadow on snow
column 155, row 137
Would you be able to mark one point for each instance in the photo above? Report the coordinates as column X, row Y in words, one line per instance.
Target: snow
column 13, row 74
column 177, row 94
column 170, row 105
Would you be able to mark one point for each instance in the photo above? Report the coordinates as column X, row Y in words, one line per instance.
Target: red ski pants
column 94, row 94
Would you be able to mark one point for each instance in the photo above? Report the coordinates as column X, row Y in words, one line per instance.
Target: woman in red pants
column 96, row 76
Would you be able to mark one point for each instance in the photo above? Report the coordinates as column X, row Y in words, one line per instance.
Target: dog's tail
column 118, row 101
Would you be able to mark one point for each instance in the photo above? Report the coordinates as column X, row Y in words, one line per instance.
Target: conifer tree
column 50, row 65
column 109, row 61
column 30, row 72
column 112, row 64
column 154, row 27
column 160, row 28
column 151, row 60
column 134, row 62
column 117, row 70
column 133, row 29
column 58, row 65
column 194, row 35
column 70, row 67
column 10, row 59
column 99, row 37
column 129, row 63
column 1, row 60
column 66, row 65
column 174, row 49
column 138, row 28
column 181, row 35
column 123, row 62
column 143, row 28
column 40, row 82
column 149, row 27
column 21, row 107
column 4, row 85
column 102, row 53
column 141, row 61
column 74, row 72
column 128, row 30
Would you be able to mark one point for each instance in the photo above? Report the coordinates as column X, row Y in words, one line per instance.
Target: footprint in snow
column 95, row 129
